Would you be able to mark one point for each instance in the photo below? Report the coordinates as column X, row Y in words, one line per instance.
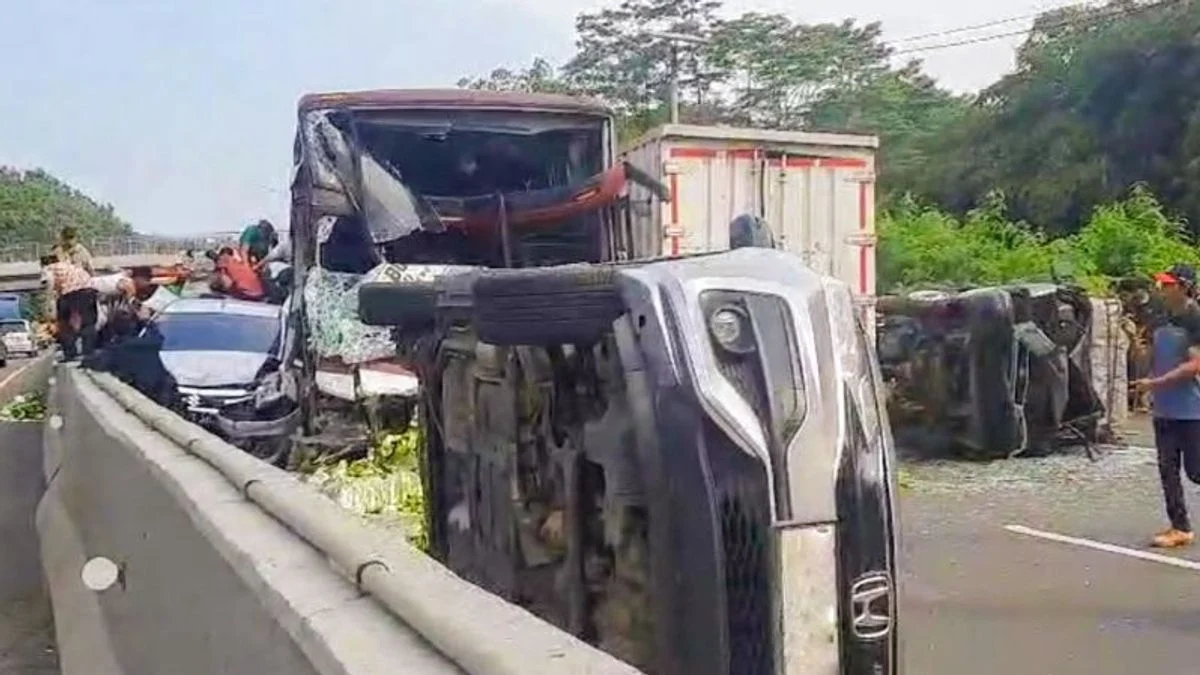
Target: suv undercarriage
column 605, row 448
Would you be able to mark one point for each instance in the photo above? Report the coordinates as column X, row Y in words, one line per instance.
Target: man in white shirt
column 131, row 284
column 118, row 298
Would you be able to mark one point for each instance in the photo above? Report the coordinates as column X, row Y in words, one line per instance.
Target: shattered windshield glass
column 371, row 188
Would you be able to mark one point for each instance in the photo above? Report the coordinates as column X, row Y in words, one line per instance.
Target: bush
column 920, row 246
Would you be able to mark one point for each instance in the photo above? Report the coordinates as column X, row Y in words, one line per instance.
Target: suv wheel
column 573, row 304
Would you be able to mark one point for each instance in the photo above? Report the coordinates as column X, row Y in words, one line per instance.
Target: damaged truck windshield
column 429, row 178
column 423, row 178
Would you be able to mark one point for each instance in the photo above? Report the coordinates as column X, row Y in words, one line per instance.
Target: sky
column 182, row 115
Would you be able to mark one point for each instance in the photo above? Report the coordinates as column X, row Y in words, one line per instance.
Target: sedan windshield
column 214, row 332
column 12, row 327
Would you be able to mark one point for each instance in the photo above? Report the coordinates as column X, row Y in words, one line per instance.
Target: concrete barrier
column 232, row 566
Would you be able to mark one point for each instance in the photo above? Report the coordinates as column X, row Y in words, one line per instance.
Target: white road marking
column 1125, row 448
column 13, row 374
column 1107, row 548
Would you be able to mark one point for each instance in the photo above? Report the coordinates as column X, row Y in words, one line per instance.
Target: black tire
column 410, row 305
column 573, row 304
column 273, row 451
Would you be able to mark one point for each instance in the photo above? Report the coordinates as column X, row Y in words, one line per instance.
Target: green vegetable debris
column 25, row 408
column 385, row 483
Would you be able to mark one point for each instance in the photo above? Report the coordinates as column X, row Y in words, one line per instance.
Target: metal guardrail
column 29, row 251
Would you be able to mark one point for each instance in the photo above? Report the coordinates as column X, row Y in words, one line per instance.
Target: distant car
column 10, row 306
column 18, row 337
column 225, row 356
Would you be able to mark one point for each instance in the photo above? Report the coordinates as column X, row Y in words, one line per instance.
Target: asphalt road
column 976, row 598
column 26, row 620
column 979, row 599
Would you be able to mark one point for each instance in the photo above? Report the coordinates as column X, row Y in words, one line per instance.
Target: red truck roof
column 454, row 98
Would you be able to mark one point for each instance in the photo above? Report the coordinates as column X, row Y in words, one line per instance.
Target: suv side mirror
column 747, row 230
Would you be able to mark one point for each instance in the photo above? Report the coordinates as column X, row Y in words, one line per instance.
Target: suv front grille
column 742, row 500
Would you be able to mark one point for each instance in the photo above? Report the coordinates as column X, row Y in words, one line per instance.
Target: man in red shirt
column 235, row 276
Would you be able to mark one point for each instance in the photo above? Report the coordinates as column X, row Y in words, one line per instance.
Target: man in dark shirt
column 1175, row 386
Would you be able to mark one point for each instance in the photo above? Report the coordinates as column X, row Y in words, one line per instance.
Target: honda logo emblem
column 193, row 401
column 871, row 607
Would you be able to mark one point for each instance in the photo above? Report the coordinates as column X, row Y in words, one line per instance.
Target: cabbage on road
column 25, row 408
column 385, row 484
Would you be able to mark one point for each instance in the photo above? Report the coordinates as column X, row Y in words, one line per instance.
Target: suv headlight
column 729, row 326
column 757, row 388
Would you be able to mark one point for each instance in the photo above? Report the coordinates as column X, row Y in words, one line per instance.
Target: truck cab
column 425, row 178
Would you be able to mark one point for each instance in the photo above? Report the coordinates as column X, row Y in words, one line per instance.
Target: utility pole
column 674, row 40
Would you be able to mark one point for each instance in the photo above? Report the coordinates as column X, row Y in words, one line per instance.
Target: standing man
column 75, row 306
column 70, row 250
column 1175, row 387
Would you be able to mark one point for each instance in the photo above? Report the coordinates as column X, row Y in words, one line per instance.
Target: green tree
column 780, row 70
column 1102, row 98
column 922, row 246
column 620, row 59
column 906, row 109
column 539, row 77
column 753, row 70
column 35, row 205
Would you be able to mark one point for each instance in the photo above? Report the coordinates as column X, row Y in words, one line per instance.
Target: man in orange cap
column 1175, row 386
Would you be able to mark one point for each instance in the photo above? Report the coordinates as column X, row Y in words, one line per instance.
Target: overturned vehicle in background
column 990, row 372
column 685, row 462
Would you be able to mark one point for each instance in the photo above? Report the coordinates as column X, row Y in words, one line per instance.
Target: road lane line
column 13, row 374
column 1107, row 548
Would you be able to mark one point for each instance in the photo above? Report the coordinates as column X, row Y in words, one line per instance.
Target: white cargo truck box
column 815, row 190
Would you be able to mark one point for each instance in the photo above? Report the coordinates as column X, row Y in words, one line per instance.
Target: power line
column 999, row 36
column 988, row 24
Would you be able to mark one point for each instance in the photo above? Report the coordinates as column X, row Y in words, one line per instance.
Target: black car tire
column 273, row 451
column 573, row 304
column 411, row 304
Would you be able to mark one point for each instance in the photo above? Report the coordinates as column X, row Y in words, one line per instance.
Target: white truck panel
column 817, row 192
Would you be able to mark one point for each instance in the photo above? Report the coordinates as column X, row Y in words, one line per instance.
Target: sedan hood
column 212, row 369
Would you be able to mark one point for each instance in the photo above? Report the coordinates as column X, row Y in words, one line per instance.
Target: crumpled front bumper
column 258, row 429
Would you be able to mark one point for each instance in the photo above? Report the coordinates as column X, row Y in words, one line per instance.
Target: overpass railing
column 104, row 247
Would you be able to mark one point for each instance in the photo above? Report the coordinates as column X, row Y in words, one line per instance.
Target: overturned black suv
column 684, row 461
